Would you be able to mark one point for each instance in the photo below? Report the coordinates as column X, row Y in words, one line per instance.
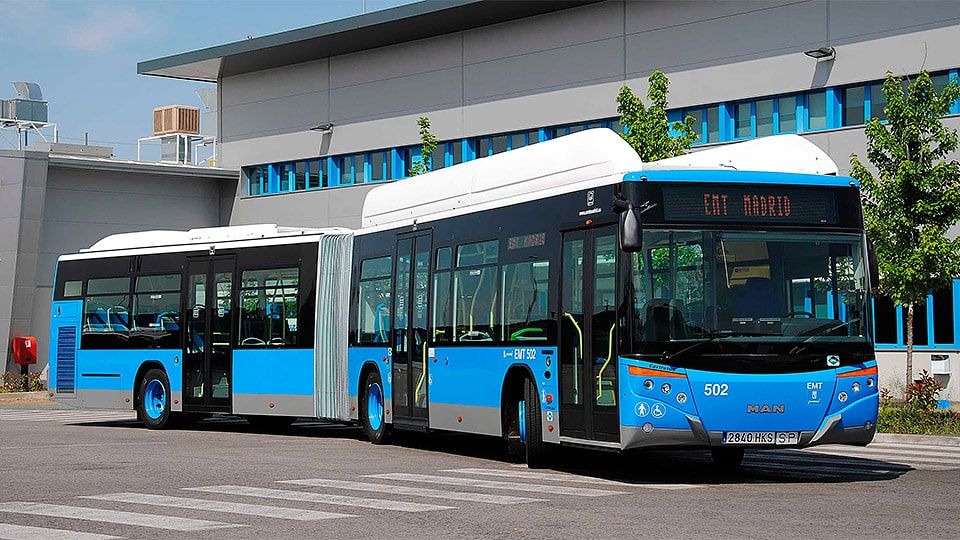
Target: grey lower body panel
column 635, row 437
column 466, row 418
column 282, row 404
column 105, row 399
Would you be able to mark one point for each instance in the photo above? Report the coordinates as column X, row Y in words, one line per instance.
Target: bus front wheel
column 153, row 400
column 531, row 426
column 372, row 407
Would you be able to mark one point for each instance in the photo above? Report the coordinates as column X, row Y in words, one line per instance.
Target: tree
column 914, row 199
column 428, row 144
column 646, row 129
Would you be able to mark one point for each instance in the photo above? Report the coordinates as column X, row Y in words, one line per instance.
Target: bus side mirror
column 631, row 230
column 872, row 266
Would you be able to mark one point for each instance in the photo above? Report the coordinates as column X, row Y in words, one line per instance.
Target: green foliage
column 428, row 144
column 921, row 395
column 918, row 414
column 915, row 196
column 646, row 128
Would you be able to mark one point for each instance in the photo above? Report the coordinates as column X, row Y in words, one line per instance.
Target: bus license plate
column 762, row 437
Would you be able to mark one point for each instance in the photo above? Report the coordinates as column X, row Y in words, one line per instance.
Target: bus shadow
column 668, row 467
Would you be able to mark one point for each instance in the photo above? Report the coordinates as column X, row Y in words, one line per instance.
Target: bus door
column 410, row 346
column 207, row 349
column 588, row 352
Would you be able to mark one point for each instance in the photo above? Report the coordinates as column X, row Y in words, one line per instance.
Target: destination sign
column 750, row 204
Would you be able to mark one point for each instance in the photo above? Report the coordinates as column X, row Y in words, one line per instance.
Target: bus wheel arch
column 518, row 428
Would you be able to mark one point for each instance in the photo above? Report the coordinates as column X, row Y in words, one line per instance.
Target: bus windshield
column 800, row 289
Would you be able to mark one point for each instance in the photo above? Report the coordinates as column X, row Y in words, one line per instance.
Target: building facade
column 315, row 117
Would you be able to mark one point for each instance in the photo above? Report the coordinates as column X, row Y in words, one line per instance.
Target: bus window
column 475, row 292
column 442, row 299
column 106, row 320
column 524, row 290
column 269, row 302
column 156, row 312
column 73, row 289
column 373, row 312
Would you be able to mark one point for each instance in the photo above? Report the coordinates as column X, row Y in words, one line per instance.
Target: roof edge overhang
column 408, row 22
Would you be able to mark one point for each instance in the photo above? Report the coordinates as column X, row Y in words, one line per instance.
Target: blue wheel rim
column 154, row 399
column 375, row 406
column 522, row 417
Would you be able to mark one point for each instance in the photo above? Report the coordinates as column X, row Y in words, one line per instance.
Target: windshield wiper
column 820, row 332
column 710, row 338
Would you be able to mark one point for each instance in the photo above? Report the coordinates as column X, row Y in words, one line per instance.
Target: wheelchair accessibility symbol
column 657, row 410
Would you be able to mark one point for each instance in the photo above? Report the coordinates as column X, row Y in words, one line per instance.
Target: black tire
column 378, row 434
column 270, row 423
column 152, row 410
column 727, row 459
column 534, row 448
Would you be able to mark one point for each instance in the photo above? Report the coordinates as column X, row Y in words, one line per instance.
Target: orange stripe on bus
column 859, row 372
column 645, row 372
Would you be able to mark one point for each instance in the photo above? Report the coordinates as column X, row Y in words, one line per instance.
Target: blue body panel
column 474, row 375
column 357, row 357
column 740, row 177
column 273, row 371
column 100, row 369
column 808, row 399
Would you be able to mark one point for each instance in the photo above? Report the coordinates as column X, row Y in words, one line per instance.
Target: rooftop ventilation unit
column 28, row 106
column 176, row 119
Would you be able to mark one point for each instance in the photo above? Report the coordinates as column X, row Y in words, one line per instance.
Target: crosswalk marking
column 344, row 500
column 65, row 415
column 219, row 506
column 894, row 457
column 19, row 532
column 911, row 447
column 532, row 475
column 154, row 521
column 492, row 484
column 409, row 490
column 898, row 451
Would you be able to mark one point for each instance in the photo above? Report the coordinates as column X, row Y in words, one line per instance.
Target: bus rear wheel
column 531, row 426
column 372, row 407
column 153, row 400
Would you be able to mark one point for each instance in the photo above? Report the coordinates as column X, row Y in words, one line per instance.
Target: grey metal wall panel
column 402, row 60
column 678, row 14
column 574, row 26
column 280, row 115
column 417, row 93
column 338, row 207
column 858, row 21
column 292, row 80
column 573, row 65
column 751, row 34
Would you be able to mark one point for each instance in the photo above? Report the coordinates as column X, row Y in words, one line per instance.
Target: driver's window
column 269, row 301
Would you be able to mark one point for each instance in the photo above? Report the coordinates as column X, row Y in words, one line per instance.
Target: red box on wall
column 24, row 350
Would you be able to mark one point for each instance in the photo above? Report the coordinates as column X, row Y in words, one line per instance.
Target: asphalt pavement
column 85, row 475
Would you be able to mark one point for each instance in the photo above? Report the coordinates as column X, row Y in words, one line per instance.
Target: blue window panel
column 333, row 172
column 674, row 116
column 955, row 108
column 867, row 102
column 469, row 147
column 900, row 317
column 273, row 182
column 396, row 163
column 834, row 109
column 724, row 118
column 929, row 316
column 542, row 135
column 956, row 318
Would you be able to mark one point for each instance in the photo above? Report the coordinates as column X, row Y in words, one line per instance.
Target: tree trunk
column 909, row 378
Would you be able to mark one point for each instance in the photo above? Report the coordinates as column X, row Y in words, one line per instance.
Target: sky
column 84, row 54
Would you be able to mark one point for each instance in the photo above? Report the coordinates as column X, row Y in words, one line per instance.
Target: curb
column 13, row 397
column 935, row 440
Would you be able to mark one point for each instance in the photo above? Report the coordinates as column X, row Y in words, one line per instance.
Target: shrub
column 921, row 394
column 11, row 381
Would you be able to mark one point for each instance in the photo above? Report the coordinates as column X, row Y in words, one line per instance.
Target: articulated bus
column 565, row 293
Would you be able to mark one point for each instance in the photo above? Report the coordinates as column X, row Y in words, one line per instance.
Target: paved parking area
column 85, row 475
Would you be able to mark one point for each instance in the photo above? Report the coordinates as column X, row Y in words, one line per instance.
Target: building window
column 456, row 152
column 300, row 169
column 787, row 115
column 742, row 121
column 817, row 110
column 254, row 177
column 315, row 174
column 885, row 319
column 764, row 117
column 380, row 166
column 943, row 316
column 853, row 102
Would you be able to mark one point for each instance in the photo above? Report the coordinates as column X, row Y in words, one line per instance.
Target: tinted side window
column 373, row 311
column 106, row 316
column 269, row 301
column 156, row 312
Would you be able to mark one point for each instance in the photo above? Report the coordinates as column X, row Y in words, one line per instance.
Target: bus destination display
column 750, row 204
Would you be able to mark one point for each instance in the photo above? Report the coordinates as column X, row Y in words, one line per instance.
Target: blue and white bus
column 564, row 293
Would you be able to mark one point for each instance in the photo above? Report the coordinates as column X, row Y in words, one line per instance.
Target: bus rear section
column 751, row 317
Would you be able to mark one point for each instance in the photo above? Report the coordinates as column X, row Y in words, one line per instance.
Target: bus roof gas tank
column 780, row 153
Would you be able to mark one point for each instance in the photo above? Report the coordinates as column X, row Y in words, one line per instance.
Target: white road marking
column 219, row 506
column 323, row 498
column 154, row 521
column 893, row 457
column 83, row 445
column 65, row 416
column 531, row 475
column 909, row 447
column 903, row 452
column 492, row 484
column 409, row 490
column 19, row 532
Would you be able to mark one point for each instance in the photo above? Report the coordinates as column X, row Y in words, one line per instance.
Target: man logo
column 765, row 409
column 590, row 198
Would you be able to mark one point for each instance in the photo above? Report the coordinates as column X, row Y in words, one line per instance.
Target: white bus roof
column 582, row 160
